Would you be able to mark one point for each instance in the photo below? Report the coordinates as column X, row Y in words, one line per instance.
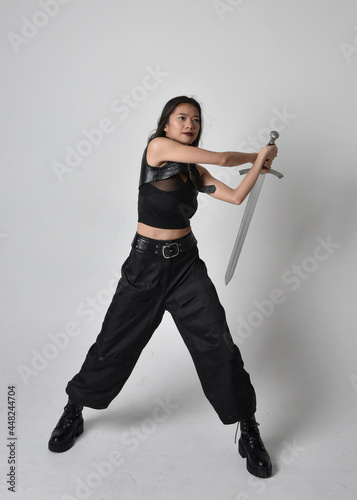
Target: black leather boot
column 68, row 427
column 251, row 447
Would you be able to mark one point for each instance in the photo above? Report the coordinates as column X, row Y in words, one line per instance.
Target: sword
column 248, row 214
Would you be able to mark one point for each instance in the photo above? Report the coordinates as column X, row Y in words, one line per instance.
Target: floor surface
column 161, row 440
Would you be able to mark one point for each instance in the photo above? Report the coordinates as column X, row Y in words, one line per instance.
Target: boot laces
column 71, row 411
column 249, row 428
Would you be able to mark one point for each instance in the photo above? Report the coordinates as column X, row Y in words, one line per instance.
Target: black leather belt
column 167, row 249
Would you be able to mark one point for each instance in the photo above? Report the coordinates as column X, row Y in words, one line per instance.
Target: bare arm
column 238, row 195
column 162, row 149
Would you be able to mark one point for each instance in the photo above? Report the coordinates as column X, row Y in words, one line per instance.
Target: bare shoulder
column 155, row 150
column 158, row 144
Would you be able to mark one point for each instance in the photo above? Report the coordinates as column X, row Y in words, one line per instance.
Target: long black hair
column 166, row 112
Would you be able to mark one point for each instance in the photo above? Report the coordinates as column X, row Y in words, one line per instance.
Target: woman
column 164, row 272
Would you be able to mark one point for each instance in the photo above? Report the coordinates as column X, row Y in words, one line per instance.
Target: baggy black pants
column 149, row 285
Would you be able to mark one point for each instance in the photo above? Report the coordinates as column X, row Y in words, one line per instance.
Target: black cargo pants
column 150, row 284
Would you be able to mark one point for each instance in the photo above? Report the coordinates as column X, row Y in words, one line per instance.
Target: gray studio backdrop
column 82, row 86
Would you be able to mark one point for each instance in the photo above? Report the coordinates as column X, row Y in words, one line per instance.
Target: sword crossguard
column 271, row 171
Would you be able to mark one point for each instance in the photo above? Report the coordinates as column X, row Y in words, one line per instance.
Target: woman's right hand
column 270, row 152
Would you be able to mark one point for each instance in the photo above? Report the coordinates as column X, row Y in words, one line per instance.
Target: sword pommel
column 273, row 137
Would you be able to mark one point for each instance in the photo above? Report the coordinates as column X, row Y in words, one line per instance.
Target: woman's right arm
column 162, row 149
column 238, row 194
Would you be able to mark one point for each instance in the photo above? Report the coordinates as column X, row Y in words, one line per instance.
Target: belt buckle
column 169, row 246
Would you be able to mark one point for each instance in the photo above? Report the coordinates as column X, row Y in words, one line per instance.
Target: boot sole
column 262, row 473
column 61, row 447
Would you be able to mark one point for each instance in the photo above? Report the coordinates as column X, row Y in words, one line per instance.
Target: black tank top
column 168, row 194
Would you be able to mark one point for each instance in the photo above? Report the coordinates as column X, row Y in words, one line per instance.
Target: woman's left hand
column 267, row 166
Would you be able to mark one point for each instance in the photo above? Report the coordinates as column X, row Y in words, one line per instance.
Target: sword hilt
column 274, row 135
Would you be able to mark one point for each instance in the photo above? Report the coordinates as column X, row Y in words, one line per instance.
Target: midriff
column 157, row 233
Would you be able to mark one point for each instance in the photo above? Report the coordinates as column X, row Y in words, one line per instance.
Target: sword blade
column 244, row 225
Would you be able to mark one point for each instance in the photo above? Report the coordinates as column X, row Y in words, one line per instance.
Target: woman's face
column 184, row 124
